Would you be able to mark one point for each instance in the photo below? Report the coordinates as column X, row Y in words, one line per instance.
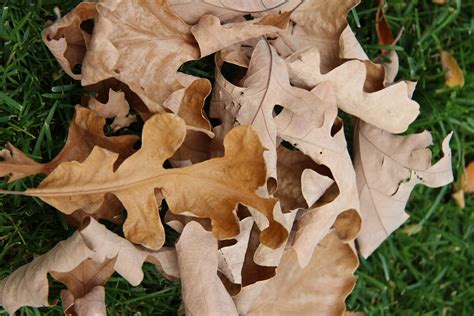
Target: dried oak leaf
column 390, row 108
column 326, row 282
column 454, row 76
column 388, row 167
column 85, row 132
column 117, row 107
column 212, row 36
column 143, row 43
column 313, row 130
column 28, row 286
column 318, row 24
column 68, row 40
column 211, row 189
column 469, row 182
column 265, row 85
column 192, row 10
column 202, row 291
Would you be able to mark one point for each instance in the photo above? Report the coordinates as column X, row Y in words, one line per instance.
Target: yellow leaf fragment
column 454, row 76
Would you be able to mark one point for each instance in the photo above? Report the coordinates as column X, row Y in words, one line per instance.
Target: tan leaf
column 93, row 303
column 231, row 258
column 141, row 43
column 390, row 108
column 116, row 107
column 67, row 40
column 265, row 85
column 202, row 291
column 188, row 102
column 313, row 131
column 212, row 36
column 28, row 286
column 318, row 289
column 85, row 132
column 387, row 168
column 192, row 10
column 454, row 76
column 317, row 24
column 211, row 189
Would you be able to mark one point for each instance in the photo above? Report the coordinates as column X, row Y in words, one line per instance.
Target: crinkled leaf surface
column 388, row 167
column 209, row 189
column 117, row 107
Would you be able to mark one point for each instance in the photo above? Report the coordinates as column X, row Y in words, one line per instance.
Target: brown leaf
column 189, row 101
column 454, row 76
column 28, row 286
column 85, row 132
column 211, row 189
column 212, row 36
column 384, row 35
column 117, row 107
column 469, row 183
column 66, row 38
column 192, row 10
column 299, row 182
column 202, row 291
column 265, row 85
column 390, row 108
column 141, row 43
column 318, row 289
column 388, row 167
column 314, row 130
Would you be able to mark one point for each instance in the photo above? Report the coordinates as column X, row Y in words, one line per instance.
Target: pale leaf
column 28, row 286
column 212, row 36
column 202, row 291
column 388, row 167
column 318, row 289
column 313, row 131
column 117, row 107
column 390, row 108
column 192, row 10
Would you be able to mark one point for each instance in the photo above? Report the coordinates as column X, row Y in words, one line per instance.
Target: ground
column 425, row 268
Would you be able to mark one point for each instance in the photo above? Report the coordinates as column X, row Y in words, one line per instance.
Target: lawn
column 424, row 268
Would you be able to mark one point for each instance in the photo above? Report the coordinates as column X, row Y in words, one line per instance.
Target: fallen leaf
column 384, row 35
column 454, row 76
column 202, row 291
column 313, row 131
column 469, row 183
column 390, row 108
column 326, row 282
column 142, row 44
column 117, row 107
column 211, row 189
column 265, row 85
column 28, row 286
column 92, row 303
column 388, row 167
column 192, row 10
column 85, row 132
column 440, row 1
column 67, row 40
column 212, row 36
column 317, row 24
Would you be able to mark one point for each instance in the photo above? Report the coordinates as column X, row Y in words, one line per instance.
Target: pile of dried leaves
column 271, row 208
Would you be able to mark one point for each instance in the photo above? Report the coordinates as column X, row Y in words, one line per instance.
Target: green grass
column 428, row 273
